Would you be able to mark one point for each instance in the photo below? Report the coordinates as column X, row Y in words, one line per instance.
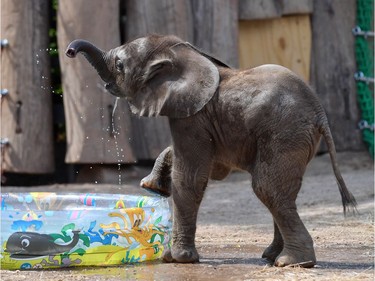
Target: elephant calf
column 263, row 120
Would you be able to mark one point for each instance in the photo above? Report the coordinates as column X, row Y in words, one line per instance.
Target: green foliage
column 364, row 51
column 55, row 4
column 53, row 51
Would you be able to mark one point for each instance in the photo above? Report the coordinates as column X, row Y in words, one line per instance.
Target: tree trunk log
column 26, row 112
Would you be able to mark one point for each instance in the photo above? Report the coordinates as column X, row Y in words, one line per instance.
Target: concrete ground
column 234, row 228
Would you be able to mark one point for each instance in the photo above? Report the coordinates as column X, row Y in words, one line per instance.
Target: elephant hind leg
column 276, row 247
column 298, row 245
column 277, row 184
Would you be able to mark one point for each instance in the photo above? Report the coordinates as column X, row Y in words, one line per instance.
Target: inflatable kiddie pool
column 49, row 230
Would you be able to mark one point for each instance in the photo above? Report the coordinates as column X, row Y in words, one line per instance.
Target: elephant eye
column 119, row 65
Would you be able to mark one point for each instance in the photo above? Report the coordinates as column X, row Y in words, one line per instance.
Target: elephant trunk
column 96, row 57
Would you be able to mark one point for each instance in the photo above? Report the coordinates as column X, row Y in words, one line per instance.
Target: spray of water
column 45, row 78
column 114, row 134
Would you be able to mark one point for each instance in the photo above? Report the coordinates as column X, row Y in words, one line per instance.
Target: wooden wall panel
column 333, row 67
column 293, row 7
column 216, row 28
column 26, row 112
column 88, row 107
column 162, row 16
column 285, row 41
column 259, row 9
column 267, row 9
column 152, row 135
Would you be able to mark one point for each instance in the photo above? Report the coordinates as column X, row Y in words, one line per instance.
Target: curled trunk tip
column 96, row 57
column 79, row 45
column 70, row 52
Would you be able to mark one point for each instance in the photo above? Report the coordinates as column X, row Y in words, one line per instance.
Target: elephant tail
column 348, row 200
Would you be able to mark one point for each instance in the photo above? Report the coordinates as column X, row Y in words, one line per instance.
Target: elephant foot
column 154, row 185
column 272, row 251
column 189, row 255
column 301, row 259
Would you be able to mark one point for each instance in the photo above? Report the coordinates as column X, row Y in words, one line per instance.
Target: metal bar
column 363, row 124
column 4, row 142
column 4, row 92
column 18, row 117
column 359, row 76
column 4, row 43
column 357, row 31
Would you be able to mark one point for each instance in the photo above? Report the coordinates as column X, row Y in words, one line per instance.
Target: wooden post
column 333, row 67
column 216, row 28
column 88, row 107
column 151, row 135
column 26, row 111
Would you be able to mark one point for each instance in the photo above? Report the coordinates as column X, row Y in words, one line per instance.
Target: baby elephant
column 263, row 120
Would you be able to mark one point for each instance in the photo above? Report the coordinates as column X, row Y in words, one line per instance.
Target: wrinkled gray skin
column 263, row 120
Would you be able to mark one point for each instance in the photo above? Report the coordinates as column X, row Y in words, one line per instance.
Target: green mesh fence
column 364, row 51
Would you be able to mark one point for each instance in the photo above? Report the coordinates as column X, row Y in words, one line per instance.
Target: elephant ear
column 177, row 84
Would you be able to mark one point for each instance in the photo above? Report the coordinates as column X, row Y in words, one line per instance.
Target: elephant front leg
column 159, row 180
column 188, row 186
column 183, row 248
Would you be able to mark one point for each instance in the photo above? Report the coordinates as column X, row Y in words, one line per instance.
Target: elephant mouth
column 113, row 89
column 108, row 86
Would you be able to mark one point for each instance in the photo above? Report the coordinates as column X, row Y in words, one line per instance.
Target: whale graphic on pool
column 26, row 245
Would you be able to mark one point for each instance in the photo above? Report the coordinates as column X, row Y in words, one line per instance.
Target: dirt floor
column 234, row 228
